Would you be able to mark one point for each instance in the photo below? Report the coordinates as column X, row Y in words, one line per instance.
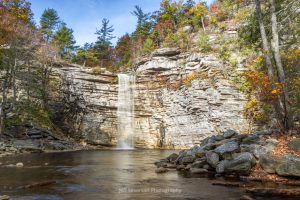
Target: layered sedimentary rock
column 178, row 115
column 180, row 99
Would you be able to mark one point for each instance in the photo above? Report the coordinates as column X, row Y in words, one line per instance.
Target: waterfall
column 125, row 112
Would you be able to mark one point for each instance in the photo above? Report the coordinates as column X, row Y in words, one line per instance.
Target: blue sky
column 84, row 16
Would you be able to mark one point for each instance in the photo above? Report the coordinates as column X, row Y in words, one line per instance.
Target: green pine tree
column 64, row 40
column 49, row 22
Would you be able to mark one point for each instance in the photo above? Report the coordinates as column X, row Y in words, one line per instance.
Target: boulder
column 229, row 147
column 219, row 137
column 165, row 52
column 19, row 164
column 229, row 133
column 180, row 167
column 251, row 139
column 209, row 146
column 269, row 162
column 241, row 164
column 172, row 157
column 187, row 160
column 255, row 149
column 208, row 167
column 4, row 197
column 282, row 165
column 212, row 158
column 294, row 144
column 161, row 163
column 289, row 166
column 220, row 169
column 170, row 166
column 201, row 153
column 199, row 164
column 198, row 171
column 161, row 170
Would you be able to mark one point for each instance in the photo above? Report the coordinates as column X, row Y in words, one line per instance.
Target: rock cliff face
column 180, row 99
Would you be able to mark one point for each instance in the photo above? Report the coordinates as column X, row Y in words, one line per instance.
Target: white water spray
column 125, row 113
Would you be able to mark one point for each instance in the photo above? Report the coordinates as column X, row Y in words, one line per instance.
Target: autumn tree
column 122, row 51
column 272, row 53
column 172, row 10
column 198, row 13
column 19, row 9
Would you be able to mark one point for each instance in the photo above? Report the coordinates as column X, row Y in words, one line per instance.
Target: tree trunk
column 203, row 25
column 265, row 42
column 14, row 82
column 1, row 118
column 267, row 54
column 280, row 70
column 3, row 103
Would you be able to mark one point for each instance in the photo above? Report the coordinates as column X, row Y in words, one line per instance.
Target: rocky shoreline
column 251, row 159
column 30, row 139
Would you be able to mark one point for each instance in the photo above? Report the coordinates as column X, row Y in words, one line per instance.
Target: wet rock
column 246, row 197
column 220, row 169
column 227, row 156
column 255, row 149
column 19, row 164
column 4, row 197
column 229, row 147
column 289, row 166
column 251, row 139
column 187, row 159
column 27, row 146
column 199, row 164
column 170, row 166
column 198, row 171
column 219, row 137
column 212, row 158
column 229, row 133
column 269, row 162
column 208, row 167
column 172, row 157
column 200, row 154
column 242, row 164
column 161, row 170
column 180, row 167
column 188, row 167
column 240, row 137
column 209, row 146
column 294, row 144
column 161, row 163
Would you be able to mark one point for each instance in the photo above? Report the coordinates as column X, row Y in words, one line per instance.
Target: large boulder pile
column 234, row 153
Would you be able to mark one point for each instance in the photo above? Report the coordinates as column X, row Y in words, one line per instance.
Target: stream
column 108, row 174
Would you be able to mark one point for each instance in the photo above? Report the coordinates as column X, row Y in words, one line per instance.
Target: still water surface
column 95, row 175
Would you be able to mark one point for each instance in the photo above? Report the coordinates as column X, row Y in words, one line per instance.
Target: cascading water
column 125, row 112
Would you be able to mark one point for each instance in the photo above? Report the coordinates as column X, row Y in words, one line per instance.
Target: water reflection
column 104, row 175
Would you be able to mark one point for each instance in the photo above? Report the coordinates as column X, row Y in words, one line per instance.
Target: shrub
column 98, row 70
column 148, row 46
column 203, row 42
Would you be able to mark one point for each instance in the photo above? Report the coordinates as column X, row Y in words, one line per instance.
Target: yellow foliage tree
column 199, row 11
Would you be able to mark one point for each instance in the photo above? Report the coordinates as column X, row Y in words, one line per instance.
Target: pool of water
column 95, row 175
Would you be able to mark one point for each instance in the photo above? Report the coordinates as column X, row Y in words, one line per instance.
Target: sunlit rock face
column 170, row 112
column 175, row 116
